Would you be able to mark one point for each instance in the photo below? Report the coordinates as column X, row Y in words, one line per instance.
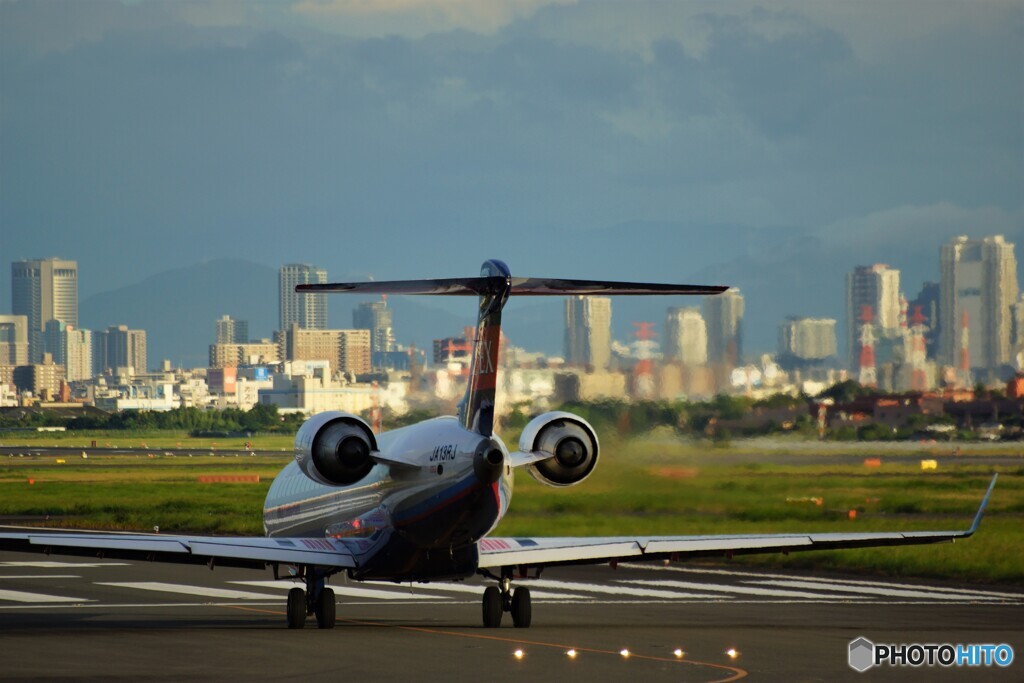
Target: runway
column 69, row 618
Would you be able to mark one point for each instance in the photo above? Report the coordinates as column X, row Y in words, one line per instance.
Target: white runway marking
column 620, row 590
column 41, row 576
column 224, row 593
column 741, row 590
column 872, row 590
column 64, row 565
column 479, row 590
column 342, row 590
column 21, row 596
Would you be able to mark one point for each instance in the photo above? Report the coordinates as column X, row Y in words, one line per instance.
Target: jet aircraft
column 416, row 504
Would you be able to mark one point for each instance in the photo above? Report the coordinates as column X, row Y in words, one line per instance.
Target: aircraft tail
column 493, row 287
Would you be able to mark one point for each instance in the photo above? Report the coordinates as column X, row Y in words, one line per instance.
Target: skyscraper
column 686, row 336
column 41, row 290
column 308, row 311
column 13, row 340
column 231, row 331
column 876, row 286
column 723, row 315
column 805, row 342
column 118, row 347
column 979, row 278
column 376, row 317
column 588, row 331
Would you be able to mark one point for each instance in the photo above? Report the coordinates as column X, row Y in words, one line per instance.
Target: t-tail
column 493, row 287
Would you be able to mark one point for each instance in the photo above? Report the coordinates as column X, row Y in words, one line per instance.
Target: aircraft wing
column 541, row 552
column 255, row 552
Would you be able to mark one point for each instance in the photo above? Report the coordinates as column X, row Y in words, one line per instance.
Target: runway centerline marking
column 621, row 590
column 64, row 565
column 40, row 576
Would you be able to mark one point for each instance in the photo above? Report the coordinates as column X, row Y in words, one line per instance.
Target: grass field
column 640, row 487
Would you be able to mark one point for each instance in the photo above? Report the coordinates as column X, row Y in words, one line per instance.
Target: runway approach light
column 571, row 654
column 733, row 653
column 678, row 652
column 625, row 653
column 518, row 654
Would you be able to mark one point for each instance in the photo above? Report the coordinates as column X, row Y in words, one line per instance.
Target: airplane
column 417, row 504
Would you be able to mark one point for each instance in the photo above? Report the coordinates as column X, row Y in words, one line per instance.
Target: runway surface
column 69, row 618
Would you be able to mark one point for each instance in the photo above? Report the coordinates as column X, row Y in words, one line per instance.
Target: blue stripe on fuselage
column 437, row 501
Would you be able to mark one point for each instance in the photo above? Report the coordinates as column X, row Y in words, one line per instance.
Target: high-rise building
column 250, row 353
column 376, row 317
column 806, row 341
column 979, row 278
column 13, row 340
column 686, row 336
column 119, row 348
column 723, row 314
column 347, row 350
column 41, row 290
column 231, row 331
column 588, row 332
column 308, row 311
column 876, row 286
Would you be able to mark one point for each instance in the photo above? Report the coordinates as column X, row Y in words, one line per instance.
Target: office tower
column 347, row 350
column 13, row 340
column 806, row 341
column 119, row 348
column 308, row 311
column 588, row 332
column 979, row 278
column 1018, row 333
column 877, row 286
column 230, row 331
column 686, row 336
column 723, row 315
column 376, row 317
column 41, row 290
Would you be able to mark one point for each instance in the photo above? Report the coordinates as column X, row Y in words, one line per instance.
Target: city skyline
column 766, row 148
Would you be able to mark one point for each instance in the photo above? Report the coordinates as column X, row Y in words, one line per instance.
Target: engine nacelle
column 572, row 442
column 334, row 448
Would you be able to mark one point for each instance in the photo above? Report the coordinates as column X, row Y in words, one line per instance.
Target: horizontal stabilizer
column 520, row 286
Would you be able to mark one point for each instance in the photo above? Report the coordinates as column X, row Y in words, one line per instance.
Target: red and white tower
column 867, row 377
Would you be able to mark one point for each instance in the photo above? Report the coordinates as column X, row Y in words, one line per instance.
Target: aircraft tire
column 492, row 607
column 522, row 610
column 326, row 609
column 296, row 608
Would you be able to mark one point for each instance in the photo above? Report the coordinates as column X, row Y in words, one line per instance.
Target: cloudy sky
column 771, row 145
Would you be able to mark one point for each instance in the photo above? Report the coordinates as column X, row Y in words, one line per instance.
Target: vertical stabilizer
column 476, row 412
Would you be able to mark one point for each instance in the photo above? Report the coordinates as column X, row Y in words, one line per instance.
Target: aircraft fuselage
column 415, row 521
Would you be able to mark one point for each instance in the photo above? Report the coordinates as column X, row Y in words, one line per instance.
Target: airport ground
column 71, row 618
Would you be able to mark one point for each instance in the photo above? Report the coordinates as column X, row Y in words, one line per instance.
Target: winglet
column 981, row 508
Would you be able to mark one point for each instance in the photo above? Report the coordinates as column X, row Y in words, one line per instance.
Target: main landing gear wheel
column 492, row 607
column 326, row 608
column 296, row 608
column 522, row 611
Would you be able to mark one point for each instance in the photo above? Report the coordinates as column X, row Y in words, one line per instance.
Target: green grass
column 157, row 439
column 638, row 488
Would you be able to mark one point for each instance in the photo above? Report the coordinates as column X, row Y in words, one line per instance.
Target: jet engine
column 569, row 440
column 334, row 448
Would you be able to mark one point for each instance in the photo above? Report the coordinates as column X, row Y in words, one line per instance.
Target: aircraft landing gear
column 499, row 599
column 316, row 600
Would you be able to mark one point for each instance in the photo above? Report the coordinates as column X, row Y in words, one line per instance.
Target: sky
column 768, row 145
